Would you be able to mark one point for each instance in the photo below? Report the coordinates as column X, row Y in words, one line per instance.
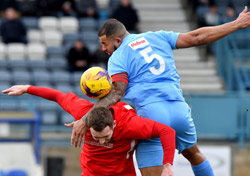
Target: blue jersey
column 148, row 60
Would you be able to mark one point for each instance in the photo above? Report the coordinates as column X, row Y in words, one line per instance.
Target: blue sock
column 203, row 169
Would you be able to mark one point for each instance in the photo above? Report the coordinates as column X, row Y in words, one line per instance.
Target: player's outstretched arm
column 80, row 128
column 16, row 90
column 207, row 35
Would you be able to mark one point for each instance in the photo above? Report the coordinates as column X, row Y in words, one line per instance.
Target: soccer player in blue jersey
column 143, row 70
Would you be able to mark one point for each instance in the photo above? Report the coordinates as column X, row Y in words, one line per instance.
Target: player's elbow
column 198, row 40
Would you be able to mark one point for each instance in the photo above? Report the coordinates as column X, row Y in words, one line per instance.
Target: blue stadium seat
column 58, row 64
column 18, row 64
column 66, row 118
column 4, row 86
column 21, row 77
column 77, row 90
column 59, row 76
column 46, row 105
column 88, row 24
column 64, row 87
column 41, row 64
column 8, row 105
column 41, row 77
column 89, row 36
column 49, row 118
column 70, row 38
column 3, row 64
column 55, row 52
column 5, row 76
column 92, row 46
column 76, row 76
column 30, row 22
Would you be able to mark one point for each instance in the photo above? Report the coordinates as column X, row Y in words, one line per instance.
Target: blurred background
column 51, row 42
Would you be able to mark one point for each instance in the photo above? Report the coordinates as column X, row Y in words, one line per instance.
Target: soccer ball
column 96, row 82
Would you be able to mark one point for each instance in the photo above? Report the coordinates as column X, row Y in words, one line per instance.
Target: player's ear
column 114, row 125
column 118, row 40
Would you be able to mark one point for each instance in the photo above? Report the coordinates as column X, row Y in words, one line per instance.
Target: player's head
column 101, row 124
column 111, row 35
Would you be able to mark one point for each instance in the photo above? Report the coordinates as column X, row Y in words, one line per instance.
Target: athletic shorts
column 175, row 114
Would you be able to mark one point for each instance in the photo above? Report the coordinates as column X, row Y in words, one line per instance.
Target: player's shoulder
column 122, row 107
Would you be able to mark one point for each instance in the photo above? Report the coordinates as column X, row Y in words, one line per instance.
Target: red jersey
column 116, row 157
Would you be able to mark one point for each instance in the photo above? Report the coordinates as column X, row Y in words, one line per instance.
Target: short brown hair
column 99, row 118
column 112, row 27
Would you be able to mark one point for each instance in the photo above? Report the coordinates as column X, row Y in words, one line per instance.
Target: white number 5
column 149, row 59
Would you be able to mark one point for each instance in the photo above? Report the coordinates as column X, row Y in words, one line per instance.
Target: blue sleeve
column 171, row 37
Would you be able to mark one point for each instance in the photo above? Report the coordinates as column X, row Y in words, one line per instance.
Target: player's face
column 109, row 45
column 104, row 136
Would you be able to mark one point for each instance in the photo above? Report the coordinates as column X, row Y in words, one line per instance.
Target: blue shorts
column 175, row 114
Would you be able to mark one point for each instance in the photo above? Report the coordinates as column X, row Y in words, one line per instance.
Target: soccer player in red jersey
column 112, row 135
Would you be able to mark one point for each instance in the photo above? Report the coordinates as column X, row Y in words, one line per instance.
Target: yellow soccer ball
column 96, row 82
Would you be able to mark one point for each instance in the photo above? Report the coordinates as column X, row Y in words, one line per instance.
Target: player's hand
column 244, row 18
column 16, row 90
column 78, row 133
column 167, row 170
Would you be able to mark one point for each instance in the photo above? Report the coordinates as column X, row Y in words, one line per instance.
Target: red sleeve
column 71, row 103
column 120, row 77
column 167, row 137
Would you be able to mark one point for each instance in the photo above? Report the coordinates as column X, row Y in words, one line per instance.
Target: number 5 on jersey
column 149, row 58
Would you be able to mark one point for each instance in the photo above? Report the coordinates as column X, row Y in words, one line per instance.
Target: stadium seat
column 42, row 64
column 3, row 64
column 64, row 87
column 34, row 36
column 66, row 118
column 48, row 23
column 77, row 90
column 30, row 22
column 68, row 25
column 2, row 51
column 87, row 24
column 41, row 77
column 92, row 46
column 58, row 63
column 21, row 77
column 49, row 118
column 8, row 105
column 16, row 51
column 75, row 77
column 5, row 77
column 52, row 38
column 45, row 105
column 21, row 64
column 60, row 76
column 89, row 36
column 55, row 52
column 70, row 38
column 36, row 51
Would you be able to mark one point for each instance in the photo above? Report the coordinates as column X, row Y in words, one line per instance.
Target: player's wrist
column 26, row 87
column 167, row 165
column 85, row 119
